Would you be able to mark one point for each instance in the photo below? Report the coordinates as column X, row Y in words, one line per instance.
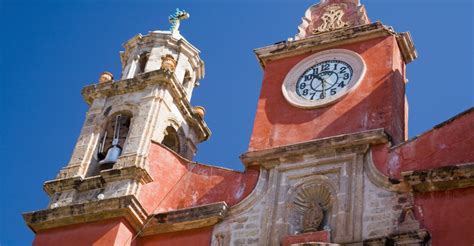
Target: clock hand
column 324, row 90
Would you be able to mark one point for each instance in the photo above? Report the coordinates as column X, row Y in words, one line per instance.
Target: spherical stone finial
column 199, row 110
column 106, row 76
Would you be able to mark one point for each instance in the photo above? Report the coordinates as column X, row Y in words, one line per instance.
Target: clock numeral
column 308, row 77
column 322, row 96
column 343, row 70
column 341, row 84
column 325, row 67
column 312, row 95
column 333, row 91
column 305, row 92
column 335, row 66
column 346, row 76
column 302, row 86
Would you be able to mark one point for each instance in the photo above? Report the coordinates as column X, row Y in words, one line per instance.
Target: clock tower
column 361, row 66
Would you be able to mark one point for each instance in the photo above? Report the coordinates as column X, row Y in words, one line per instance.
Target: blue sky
column 51, row 49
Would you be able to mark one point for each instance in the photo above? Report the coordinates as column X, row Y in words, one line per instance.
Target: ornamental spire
column 176, row 18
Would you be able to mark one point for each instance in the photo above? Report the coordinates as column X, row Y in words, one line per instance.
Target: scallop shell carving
column 309, row 194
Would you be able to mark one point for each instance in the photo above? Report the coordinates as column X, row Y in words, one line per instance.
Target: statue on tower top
column 176, row 18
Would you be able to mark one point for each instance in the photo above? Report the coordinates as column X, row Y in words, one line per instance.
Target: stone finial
column 199, row 110
column 331, row 15
column 176, row 18
column 168, row 63
column 106, row 76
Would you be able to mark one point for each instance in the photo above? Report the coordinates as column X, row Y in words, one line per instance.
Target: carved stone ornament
column 330, row 15
column 312, row 201
column 313, row 217
column 168, row 63
column 106, row 76
column 331, row 19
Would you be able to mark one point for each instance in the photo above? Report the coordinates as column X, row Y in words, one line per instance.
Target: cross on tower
column 176, row 18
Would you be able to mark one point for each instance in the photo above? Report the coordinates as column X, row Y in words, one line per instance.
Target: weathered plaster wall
column 449, row 143
column 201, row 236
column 448, row 216
column 107, row 232
column 179, row 183
column 377, row 103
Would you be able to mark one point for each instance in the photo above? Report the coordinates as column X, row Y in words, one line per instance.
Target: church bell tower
column 150, row 102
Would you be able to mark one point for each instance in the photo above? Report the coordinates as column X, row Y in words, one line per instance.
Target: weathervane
column 176, row 18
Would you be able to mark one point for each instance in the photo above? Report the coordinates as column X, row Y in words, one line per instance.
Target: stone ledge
column 418, row 237
column 127, row 207
column 186, row 219
column 268, row 158
column 336, row 38
column 310, row 238
column 97, row 182
column 439, row 179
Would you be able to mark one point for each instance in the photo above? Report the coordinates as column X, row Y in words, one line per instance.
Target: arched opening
column 113, row 139
column 187, row 79
column 171, row 139
column 142, row 61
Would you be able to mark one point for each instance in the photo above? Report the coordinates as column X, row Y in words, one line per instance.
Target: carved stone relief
column 331, row 20
column 311, row 206
column 328, row 16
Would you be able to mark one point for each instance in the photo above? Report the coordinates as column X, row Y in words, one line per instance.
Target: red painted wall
column 107, row 232
column 379, row 102
column 449, row 143
column 179, row 183
column 196, row 237
column 448, row 216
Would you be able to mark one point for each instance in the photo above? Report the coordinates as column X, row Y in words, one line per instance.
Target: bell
column 112, row 155
column 115, row 150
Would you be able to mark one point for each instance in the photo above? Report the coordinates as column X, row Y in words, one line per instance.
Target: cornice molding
column 441, row 179
column 333, row 39
column 96, row 182
column 142, row 81
column 127, row 207
column 269, row 158
column 186, row 219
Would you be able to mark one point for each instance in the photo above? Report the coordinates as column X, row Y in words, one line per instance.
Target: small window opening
column 171, row 139
column 142, row 61
column 187, row 78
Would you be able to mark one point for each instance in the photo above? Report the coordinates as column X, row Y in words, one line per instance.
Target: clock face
column 323, row 78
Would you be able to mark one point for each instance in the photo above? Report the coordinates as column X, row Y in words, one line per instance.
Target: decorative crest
column 176, row 18
column 330, row 15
